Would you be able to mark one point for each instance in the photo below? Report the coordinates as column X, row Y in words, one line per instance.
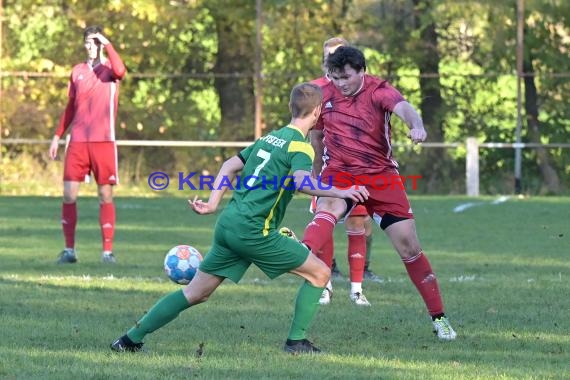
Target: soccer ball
column 181, row 263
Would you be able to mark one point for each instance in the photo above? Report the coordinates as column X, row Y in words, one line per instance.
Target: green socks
column 306, row 307
column 169, row 306
column 164, row 311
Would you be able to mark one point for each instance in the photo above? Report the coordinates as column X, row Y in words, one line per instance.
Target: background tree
column 190, row 77
column 234, row 66
column 546, row 42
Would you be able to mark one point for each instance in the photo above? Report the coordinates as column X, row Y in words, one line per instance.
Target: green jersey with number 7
column 265, row 187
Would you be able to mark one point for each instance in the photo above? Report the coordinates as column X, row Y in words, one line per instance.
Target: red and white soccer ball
column 181, row 263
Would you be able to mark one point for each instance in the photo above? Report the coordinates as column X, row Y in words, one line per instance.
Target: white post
column 472, row 167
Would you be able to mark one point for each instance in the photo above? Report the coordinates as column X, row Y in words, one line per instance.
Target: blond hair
column 334, row 42
column 329, row 46
column 305, row 97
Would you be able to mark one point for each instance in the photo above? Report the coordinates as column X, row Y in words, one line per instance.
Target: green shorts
column 233, row 251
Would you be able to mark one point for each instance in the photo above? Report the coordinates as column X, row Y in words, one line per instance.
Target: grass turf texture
column 503, row 270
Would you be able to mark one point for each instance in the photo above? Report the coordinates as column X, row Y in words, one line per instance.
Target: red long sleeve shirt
column 93, row 98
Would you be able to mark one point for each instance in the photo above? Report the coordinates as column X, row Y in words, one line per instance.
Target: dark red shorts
column 382, row 200
column 99, row 158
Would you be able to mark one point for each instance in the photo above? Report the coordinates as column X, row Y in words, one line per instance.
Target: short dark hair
column 91, row 30
column 346, row 55
column 305, row 97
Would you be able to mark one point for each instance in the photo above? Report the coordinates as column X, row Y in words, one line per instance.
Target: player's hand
column 101, row 38
column 356, row 193
column 417, row 135
column 53, row 149
column 201, row 207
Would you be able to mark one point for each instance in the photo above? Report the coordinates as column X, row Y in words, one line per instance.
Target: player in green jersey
column 246, row 232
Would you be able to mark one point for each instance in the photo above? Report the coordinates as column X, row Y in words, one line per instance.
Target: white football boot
column 359, row 299
column 442, row 328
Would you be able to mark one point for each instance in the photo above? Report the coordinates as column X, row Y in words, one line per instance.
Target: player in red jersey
column 357, row 223
column 355, row 120
column 93, row 97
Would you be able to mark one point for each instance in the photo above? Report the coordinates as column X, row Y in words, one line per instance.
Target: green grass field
column 503, row 270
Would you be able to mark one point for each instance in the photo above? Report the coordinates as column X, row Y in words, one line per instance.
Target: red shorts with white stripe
column 99, row 158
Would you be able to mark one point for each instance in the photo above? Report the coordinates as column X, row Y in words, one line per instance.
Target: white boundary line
column 464, row 206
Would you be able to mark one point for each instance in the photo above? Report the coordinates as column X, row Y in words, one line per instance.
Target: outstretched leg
column 316, row 275
column 404, row 238
column 167, row 309
column 318, row 235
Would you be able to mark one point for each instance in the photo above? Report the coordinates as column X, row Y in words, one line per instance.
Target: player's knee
column 196, row 296
column 322, row 276
column 105, row 200
column 105, row 197
column 408, row 248
column 198, row 300
column 69, row 197
column 355, row 230
column 335, row 206
column 353, row 223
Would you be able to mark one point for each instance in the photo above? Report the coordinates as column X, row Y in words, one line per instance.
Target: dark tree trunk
column 551, row 181
column 436, row 164
column 338, row 20
column 235, row 62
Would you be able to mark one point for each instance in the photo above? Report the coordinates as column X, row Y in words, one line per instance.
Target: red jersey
column 93, row 100
column 357, row 131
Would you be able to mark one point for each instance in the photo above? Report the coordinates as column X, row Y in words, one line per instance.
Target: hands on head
column 101, row 38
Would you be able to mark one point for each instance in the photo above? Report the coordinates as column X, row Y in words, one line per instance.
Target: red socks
column 319, row 236
column 419, row 270
column 68, row 222
column 356, row 255
column 107, row 223
column 326, row 253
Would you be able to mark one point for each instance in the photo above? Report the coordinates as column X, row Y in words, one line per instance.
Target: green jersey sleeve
column 246, row 152
column 302, row 155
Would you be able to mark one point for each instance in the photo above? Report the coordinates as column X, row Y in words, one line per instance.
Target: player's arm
column 305, row 183
column 316, row 138
column 64, row 123
column 228, row 172
column 117, row 65
column 410, row 116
